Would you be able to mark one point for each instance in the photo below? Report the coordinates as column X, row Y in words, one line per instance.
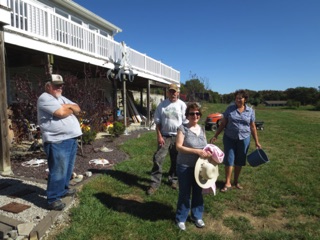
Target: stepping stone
column 25, row 229
column 14, row 207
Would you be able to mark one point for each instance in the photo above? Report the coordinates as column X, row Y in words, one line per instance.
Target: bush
column 82, row 90
column 117, row 129
column 317, row 106
column 293, row 104
column 88, row 136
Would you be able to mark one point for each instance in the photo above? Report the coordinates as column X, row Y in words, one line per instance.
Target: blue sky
column 230, row 44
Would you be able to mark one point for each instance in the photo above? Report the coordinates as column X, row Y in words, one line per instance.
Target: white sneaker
column 181, row 226
column 198, row 222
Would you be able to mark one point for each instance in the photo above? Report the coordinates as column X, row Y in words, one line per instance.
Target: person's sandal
column 238, row 186
column 225, row 189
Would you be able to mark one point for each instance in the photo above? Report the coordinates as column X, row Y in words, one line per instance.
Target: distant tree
column 317, row 106
column 156, row 91
column 182, row 88
column 293, row 104
column 192, row 87
column 273, row 95
column 215, row 97
column 303, row 95
column 255, row 98
column 228, row 98
column 197, row 89
column 205, row 83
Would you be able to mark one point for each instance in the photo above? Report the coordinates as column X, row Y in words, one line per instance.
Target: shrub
column 85, row 91
column 88, row 136
column 293, row 104
column 117, row 129
column 317, row 106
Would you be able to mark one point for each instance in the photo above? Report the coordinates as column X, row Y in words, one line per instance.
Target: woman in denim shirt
column 238, row 123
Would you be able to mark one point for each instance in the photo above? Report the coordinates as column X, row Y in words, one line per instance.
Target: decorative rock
column 105, row 149
column 78, row 178
column 22, row 238
column 74, row 175
column 13, row 234
column 88, row 174
column 24, row 229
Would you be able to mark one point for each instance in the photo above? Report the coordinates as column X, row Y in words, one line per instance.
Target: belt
column 168, row 136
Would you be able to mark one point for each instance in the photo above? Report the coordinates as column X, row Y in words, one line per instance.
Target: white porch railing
column 36, row 20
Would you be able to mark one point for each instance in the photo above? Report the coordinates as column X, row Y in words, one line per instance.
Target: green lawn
column 280, row 199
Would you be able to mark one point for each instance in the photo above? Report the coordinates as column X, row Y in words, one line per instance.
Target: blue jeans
column 188, row 186
column 61, row 157
column 158, row 159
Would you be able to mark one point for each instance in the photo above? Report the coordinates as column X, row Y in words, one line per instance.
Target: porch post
column 115, row 97
column 141, row 99
column 5, row 165
column 148, row 104
column 124, row 99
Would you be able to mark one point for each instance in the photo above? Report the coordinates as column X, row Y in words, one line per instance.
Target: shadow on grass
column 152, row 211
column 134, row 180
column 127, row 178
column 220, row 184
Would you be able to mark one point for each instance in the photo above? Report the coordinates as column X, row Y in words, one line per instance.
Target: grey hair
column 47, row 85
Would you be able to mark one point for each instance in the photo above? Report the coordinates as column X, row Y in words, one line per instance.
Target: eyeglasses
column 194, row 113
column 172, row 91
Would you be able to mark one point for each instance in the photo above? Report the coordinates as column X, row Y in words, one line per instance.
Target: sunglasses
column 57, row 86
column 194, row 113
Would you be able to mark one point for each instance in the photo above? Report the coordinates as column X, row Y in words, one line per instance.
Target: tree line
column 195, row 89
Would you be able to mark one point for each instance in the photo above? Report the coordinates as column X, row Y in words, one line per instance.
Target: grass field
column 280, row 199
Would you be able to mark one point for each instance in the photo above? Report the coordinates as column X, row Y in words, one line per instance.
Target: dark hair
column 243, row 93
column 193, row 106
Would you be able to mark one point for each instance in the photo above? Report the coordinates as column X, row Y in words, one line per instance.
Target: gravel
column 36, row 199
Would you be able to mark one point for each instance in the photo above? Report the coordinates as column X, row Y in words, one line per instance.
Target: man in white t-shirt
column 60, row 129
column 169, row 115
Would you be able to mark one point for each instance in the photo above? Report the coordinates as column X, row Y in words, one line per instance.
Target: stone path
column 23, row 213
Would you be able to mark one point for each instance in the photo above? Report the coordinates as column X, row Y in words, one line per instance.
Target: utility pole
column 5, row 164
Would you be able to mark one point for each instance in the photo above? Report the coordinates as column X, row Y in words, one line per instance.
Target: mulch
column 82, row 164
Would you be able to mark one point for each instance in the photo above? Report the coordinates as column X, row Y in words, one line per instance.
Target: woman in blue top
column 238, row 123
column 191, row 140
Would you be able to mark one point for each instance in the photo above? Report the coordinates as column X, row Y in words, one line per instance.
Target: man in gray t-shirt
column 60, row 129
column 169, row 115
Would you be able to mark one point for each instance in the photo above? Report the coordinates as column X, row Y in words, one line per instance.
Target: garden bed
column 19, row 155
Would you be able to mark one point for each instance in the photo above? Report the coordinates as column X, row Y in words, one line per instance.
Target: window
column 76, row 20
column 62, row 13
